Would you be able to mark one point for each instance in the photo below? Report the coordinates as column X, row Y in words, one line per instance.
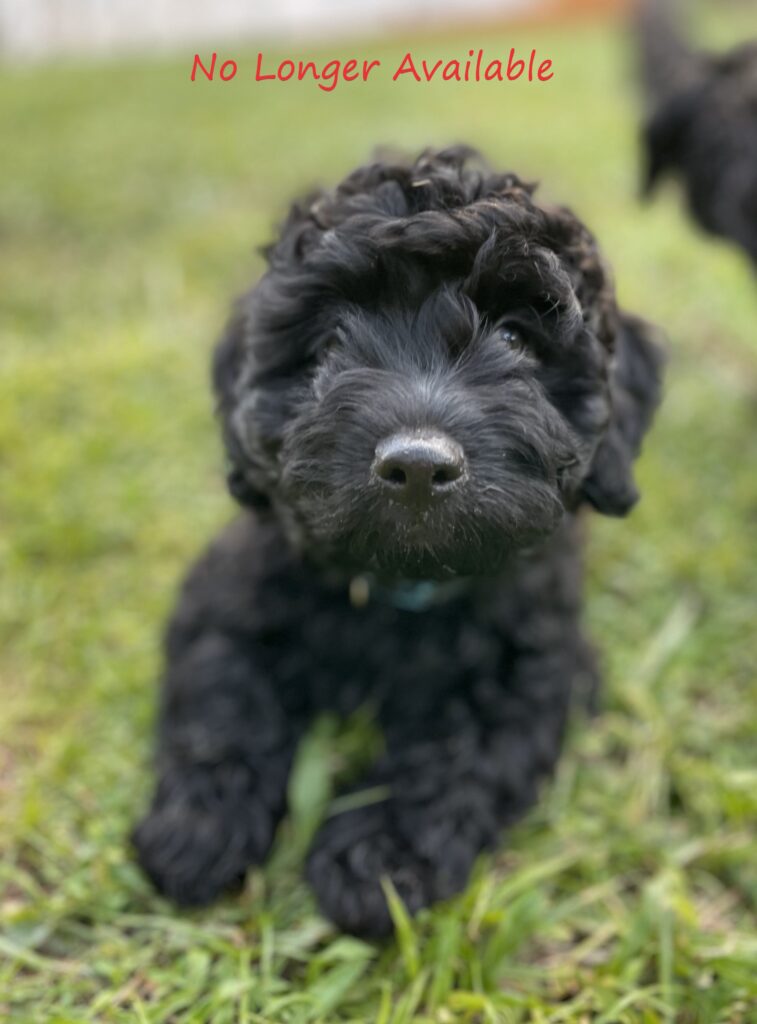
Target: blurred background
column 46, row 27
column 132, row 205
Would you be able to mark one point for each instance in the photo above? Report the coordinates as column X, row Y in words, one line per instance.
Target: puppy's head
column 432, row 372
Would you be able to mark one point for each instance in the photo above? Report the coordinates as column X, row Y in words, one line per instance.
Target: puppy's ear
column 635, row 389
column 228, row 356
column 227, row 368
column 664, row 136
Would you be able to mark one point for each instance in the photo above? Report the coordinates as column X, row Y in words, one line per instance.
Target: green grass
column 130, row 205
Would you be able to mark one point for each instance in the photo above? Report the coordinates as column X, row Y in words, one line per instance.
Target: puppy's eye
column 512, row 335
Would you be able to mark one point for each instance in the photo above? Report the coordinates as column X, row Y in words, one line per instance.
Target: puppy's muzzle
column 417, row 469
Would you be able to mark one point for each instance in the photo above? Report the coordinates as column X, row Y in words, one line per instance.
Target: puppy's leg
column 452, row 780
column 225, row 752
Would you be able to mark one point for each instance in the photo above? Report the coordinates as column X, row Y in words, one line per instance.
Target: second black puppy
column 417, row 398
column 701, row 126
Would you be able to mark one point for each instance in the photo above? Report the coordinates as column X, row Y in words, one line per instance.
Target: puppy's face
column 425, row 440
column 421, row 384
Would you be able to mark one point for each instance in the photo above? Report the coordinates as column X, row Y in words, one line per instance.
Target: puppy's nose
column 416, row 468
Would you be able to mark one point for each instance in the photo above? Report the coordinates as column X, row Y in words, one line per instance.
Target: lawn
column 131, row 203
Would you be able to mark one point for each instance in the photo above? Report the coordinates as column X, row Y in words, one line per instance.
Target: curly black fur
column 426, row 295
column 701, row 126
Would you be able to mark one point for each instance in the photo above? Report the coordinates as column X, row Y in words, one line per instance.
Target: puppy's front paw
column 350, row 855
column 193, row 851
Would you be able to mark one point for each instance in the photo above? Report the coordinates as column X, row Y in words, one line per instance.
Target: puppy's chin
column 395, row 567
column 413, row 555
column 473, row 532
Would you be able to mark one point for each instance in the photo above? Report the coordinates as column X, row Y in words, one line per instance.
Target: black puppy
column 701, row 125
column 427, row 384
